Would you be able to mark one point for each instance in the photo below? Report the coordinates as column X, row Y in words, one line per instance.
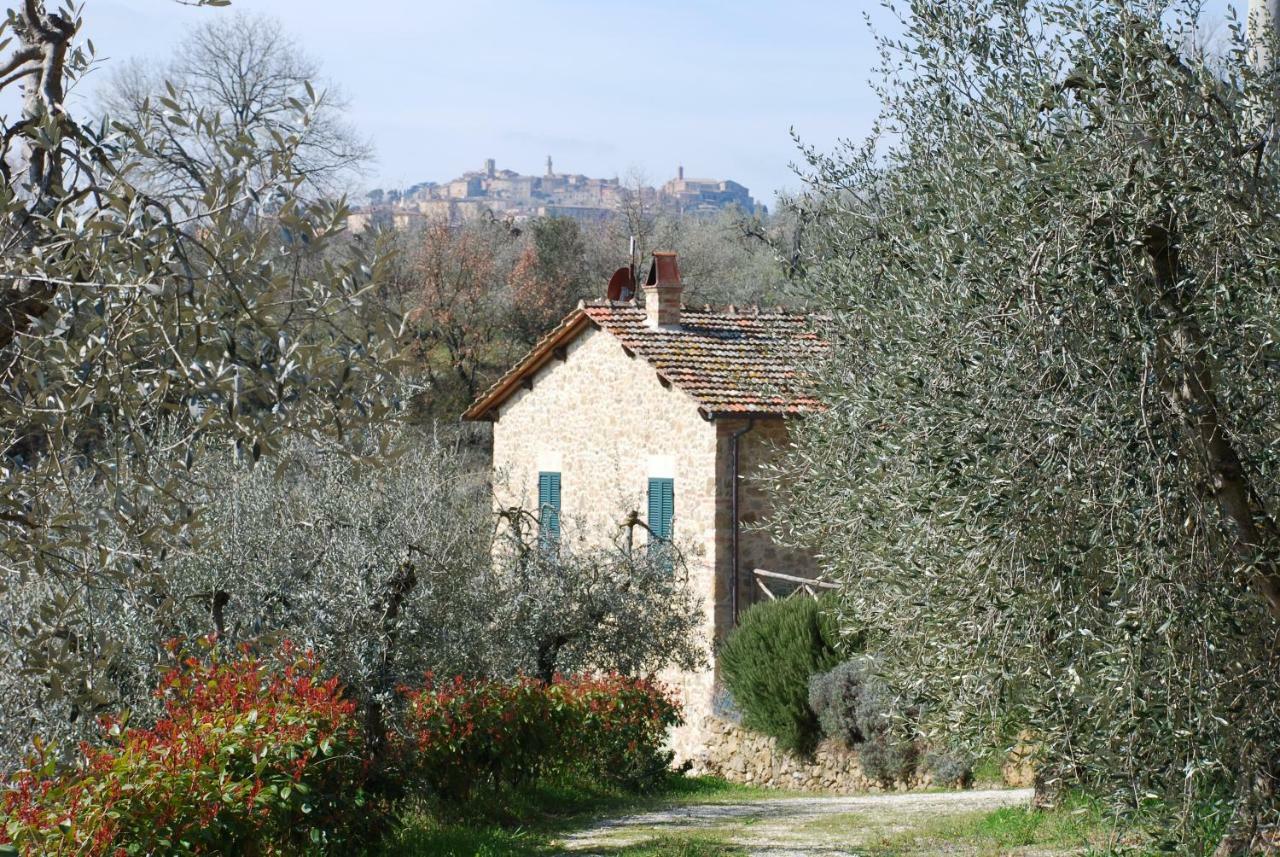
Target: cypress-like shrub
column 766, row 663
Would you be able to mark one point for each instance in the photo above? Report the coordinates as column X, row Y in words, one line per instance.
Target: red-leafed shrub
column 264, row 756
column 462, row 734
column 251, row 756
column 619, row 727
column 465, row 735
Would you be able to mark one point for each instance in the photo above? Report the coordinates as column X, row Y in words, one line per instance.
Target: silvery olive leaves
column 136, row 332
column 1047, row 475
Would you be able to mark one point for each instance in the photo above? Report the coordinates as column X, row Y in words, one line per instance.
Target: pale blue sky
column 604, row 86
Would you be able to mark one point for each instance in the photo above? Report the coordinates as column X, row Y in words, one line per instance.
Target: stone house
column 669, row 411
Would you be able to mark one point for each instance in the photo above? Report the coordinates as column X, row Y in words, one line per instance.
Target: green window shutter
column 549, row 509
column 661, row 507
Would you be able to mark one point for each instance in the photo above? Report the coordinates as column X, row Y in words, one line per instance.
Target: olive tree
column 374, row 567
column 385, row 570
column 1049, row 473
column 224, row 319
column 604, row 601
column 394, row 570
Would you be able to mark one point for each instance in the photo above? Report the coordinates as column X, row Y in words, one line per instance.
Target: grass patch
column 989, row 770
column 676, row 846
column 525, row 822
column 423, row 837
column 1078, row 824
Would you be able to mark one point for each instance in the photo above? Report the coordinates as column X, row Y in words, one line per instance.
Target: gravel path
column 790, row 827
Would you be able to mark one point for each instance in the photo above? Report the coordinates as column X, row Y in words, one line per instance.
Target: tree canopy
column 1047, row 476
column 136, row 329
column 245, row 79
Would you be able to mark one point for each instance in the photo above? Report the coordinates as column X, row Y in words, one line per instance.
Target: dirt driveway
column 783, row 827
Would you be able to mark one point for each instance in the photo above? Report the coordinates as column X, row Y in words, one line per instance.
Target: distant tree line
column 478, row 295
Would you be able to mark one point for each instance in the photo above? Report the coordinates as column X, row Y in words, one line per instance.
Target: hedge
column 250, row 756
column 265, row 756
column 482, row 734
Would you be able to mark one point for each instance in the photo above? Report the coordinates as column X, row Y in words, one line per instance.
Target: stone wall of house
column 604, row 421
column 742, row 756
column 763, row 444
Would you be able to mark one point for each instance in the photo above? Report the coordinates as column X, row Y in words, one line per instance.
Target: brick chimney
column 662, row 291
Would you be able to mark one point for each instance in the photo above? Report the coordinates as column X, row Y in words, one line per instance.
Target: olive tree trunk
column 38, row 65
column 1235, row 498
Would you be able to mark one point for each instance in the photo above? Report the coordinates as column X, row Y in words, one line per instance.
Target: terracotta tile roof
column 728, row 362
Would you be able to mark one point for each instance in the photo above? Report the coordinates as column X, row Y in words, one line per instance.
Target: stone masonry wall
column 742, row 756
column 604, row 421
column 759, row 447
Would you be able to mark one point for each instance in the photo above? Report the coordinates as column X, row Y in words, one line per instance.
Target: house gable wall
column 607, row 424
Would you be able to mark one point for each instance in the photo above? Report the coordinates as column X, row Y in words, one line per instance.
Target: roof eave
column 541, row 354
column 712, row 414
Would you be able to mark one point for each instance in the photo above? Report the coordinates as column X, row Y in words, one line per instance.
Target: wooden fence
column 773, row 584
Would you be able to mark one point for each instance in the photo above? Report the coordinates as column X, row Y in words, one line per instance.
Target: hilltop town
column 511, row 195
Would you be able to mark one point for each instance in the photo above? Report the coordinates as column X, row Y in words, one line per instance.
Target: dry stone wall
column 742, row 756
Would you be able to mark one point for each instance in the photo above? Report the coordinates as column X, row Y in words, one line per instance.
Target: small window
column 661, row 513
column 549, row 509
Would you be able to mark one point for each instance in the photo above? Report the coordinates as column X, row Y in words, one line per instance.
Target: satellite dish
column 622, row 285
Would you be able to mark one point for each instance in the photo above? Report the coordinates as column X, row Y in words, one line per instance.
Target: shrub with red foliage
column 265, row 756
column 250, row 756
column 465, row 735
column 619, row 727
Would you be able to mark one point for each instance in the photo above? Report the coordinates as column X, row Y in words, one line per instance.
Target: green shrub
column 834, row 698
column 856, row 707
column 950, row 769
column 888, row 758
column 463, row 736
column 766, row 663
column 887, row 753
